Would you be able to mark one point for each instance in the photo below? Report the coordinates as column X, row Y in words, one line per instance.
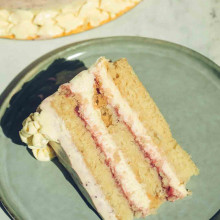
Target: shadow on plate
column 31, row 95
column 216, row 216
column 33, row 92
column 2, row 206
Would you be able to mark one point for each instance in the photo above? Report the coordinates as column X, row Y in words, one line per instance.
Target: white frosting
column 24, row 29
column 56, row 128
column 44, row 154
column 34, row 136
column 45, row 17
column 131, row 118
column 49, row 30
column 69, row 21
column 115, row 6
column 54, row 21
column 4, row 24
column 30, row 133
column 83, row 84
column 4, row 14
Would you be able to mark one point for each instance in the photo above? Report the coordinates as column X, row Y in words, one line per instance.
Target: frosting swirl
column 37, row 141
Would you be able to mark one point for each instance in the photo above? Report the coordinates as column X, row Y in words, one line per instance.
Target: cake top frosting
column 29, row 4
column 30, row 19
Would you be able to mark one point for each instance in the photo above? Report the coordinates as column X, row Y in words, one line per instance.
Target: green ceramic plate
column 184, row 84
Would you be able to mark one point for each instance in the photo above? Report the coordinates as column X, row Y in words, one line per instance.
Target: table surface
column 194, row 24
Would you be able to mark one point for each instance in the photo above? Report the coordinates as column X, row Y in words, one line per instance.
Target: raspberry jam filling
column 173, row 187
column 123, row 176
column 111, row 164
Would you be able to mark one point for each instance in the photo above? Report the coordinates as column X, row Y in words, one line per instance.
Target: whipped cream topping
column 72, row 158
column 72, row 16
column 34, row 136
column 150, row 150
column 82, row 85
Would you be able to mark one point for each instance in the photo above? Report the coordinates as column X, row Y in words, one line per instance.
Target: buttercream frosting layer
column 175, row 189
column 67, row 152
column 83, row 86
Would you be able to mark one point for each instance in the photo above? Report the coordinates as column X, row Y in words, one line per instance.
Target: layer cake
column 107, row 131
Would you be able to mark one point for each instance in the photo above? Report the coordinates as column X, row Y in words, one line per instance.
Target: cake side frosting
column 71, row 17
column 54, row 130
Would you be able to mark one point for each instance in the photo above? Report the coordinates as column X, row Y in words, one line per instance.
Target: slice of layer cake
column 107, row 131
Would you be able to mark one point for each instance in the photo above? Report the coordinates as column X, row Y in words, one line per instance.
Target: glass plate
column 184, row 84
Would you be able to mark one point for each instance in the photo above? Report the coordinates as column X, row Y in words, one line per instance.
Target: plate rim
column 10, row 89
